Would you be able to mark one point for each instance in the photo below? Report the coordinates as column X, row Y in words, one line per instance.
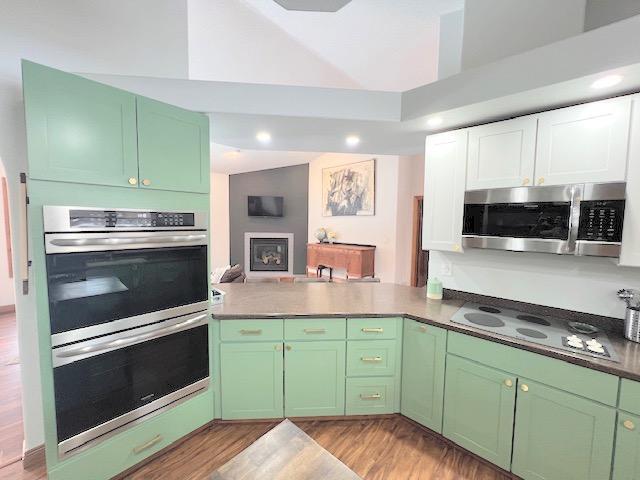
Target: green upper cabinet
column 173, row 147
column 478, row 413
column 560, row 436
column 78, row 130
column 314, row 379
column 626, row 465
column 424, row 351
column 251, row 381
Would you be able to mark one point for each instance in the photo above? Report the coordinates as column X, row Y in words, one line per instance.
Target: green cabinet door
column 478, row 409
column 424, row 350
column 560, row 436
column 626, row 465
column 251, row 380
column 78, row 130
column 173, row 147
column 314, row 381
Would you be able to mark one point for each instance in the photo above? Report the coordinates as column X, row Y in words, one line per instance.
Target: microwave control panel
column 601, row 220
column 129, row 219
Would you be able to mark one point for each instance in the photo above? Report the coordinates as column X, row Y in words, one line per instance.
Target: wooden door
column 424, row 350
column 584, row 144
column 502, row 154
column 314, row 381
column 561, row 436
column 419, row 257
column 173, row 147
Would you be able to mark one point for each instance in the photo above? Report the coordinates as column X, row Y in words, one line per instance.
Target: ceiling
column 231, row 160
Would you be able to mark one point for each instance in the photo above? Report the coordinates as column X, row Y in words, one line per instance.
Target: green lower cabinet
column 424, row 351
column 560, row 436
column 479, row 409
column 314, row 379
column 626, row 464
column 251, row 380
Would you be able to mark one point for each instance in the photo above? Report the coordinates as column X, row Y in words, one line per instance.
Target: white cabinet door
column 502, row 154
column 583, row 144
column 630, row 251
column 444, row 183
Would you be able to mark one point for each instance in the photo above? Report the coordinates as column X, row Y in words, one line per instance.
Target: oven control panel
column 601, row 220
column 129, row 219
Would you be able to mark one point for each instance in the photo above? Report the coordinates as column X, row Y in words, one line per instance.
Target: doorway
column 419, row 257
column 11, row 427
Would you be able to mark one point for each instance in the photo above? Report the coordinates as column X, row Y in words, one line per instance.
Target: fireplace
column 268, row 254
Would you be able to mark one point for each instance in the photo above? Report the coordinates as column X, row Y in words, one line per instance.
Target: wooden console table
column 357, row 260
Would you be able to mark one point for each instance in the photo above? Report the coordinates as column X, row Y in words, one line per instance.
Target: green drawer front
column 371, row 358
column 630, row 396
column 315, row 328
column 251, row 330
column 582, row 381
column 122, row 451
column 372, row 328
column 370, row 396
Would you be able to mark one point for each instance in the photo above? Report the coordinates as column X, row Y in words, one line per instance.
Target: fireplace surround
column 268, row 254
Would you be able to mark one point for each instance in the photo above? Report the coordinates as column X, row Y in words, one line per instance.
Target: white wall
column 494, row 29
column 145, row 37
column 6, row 282
column 378, row 229
column 450, row 44
column 219, row 220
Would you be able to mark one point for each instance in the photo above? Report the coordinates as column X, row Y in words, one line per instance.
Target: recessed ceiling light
column 352, row 140
column 434, row 122
column 263, row 137
column 606, row 82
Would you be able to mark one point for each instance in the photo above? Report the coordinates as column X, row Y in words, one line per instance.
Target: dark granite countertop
column 269, row 300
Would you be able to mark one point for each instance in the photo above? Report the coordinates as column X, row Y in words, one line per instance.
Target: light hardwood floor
column 378, row 449
column 10, row 396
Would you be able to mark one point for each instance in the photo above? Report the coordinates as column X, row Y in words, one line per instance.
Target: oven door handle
column 91, row 350
column 100, row 241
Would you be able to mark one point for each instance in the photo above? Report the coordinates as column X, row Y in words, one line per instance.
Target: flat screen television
column 265, row 206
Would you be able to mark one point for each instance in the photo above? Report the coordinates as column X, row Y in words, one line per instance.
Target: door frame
column 415, row 232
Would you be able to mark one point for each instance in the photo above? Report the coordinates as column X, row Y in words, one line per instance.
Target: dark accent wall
column 292, row 183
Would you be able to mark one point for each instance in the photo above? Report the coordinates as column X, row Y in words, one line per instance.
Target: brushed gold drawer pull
column 508, row 382
column 278, row 348
column 315, row 330
column 540, row 180
column 525, row 181
column 423, row 329
column 524, row 387
column 133, row 181
column 371, row 359
column 288, row 347
column 374, row 396
column 146, row 182
column 628, row 424
column 141, row 448
column 257, row 331
column 373, row 330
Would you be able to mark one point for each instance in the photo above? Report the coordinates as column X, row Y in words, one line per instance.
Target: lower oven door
column 108, row 382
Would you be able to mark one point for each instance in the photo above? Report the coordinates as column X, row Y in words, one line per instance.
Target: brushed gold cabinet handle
column 628, row 424
column 540, row 180
column 373, row 330
column 423, row 329
column 371, row 359
column 315, row 330
column 508, row 382
column 133, row 181
column 257, row 331
column 146, row 182
column 525, row 181
column 288, row 347
column 141, row 448
column 456, row 248
column 374, row 396
column 278, row 348
column 524, row 387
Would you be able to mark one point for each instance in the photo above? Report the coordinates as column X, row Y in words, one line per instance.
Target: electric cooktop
column 580, row 338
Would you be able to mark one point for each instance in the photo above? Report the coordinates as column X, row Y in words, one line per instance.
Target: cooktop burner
column 549, row 331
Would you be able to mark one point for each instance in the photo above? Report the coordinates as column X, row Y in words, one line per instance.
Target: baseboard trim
column 7, row 309
column 34, row 458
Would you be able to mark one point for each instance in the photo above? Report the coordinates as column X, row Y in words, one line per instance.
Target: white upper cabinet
column 583, row 144
column 444, row 185
column 502, row 154
column 630, row 251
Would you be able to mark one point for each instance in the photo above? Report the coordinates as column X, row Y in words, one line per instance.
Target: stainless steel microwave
column 581, row 219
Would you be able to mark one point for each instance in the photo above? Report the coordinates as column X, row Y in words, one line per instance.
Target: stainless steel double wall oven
column 128, row 298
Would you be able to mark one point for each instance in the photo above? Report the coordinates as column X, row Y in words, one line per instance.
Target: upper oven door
column 520, row 219
column 101, row 283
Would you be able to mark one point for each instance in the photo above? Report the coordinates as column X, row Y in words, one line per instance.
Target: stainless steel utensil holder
column 632, row 324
